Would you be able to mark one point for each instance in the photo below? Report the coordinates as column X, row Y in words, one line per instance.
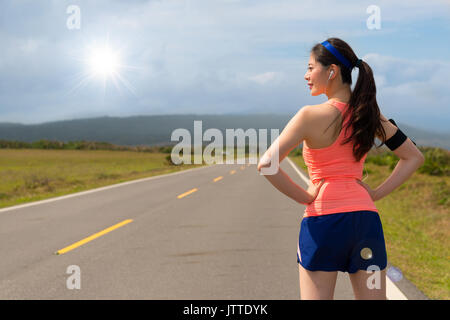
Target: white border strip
column 35, row 203
column 392, row 291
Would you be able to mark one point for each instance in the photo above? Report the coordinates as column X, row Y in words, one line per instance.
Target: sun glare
column 103, row 65
column 104, row 62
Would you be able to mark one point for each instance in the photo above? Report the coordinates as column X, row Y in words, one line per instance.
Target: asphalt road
column 233, row 238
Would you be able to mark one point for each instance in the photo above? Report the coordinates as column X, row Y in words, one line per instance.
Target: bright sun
column 104, row 62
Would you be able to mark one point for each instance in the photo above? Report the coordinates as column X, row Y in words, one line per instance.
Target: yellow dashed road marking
column 186, row 193
column 94, row 236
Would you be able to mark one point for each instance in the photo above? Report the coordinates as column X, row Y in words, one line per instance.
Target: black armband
column 397, row 139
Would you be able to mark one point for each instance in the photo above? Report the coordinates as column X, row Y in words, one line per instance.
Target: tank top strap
column 342, row 106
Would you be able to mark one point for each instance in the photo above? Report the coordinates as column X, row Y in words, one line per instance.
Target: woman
column 341, row 229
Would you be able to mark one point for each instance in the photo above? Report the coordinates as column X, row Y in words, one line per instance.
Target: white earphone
column 331, row 73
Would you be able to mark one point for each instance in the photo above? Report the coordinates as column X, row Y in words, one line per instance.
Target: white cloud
column 412, row 91
column 266, row 77
column 29, row 46
column 380, row 80
column 419, row 78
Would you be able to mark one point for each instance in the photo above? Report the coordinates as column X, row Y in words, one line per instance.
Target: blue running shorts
column 345, row 241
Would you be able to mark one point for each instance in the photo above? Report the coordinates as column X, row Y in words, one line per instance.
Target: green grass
column 32, row 174
column 416, row 225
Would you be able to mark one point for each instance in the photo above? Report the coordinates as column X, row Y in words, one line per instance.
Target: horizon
column 426, row 130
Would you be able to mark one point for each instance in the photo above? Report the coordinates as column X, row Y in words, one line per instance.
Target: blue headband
column 337, row 54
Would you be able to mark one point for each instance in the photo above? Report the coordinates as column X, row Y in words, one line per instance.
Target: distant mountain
column 426, row 138
column 157, row 129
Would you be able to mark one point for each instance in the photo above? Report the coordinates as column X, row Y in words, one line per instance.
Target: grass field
column 416, row 225
column 33, row 174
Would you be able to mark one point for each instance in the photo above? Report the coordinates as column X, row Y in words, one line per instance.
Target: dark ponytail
column 363, row 111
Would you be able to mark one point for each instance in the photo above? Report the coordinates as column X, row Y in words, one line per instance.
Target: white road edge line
column 392, row 291
column 98, row 189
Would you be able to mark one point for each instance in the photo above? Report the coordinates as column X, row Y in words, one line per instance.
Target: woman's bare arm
column 410, row 160
column 292, row 135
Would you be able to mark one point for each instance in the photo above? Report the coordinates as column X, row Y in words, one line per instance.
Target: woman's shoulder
column 319, row 112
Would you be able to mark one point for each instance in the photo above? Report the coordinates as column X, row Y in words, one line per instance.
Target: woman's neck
column 342, row 94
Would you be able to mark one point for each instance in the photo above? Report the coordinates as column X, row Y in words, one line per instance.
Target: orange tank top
column 337, row 165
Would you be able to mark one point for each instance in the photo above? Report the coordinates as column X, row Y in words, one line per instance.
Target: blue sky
column 216, row 57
